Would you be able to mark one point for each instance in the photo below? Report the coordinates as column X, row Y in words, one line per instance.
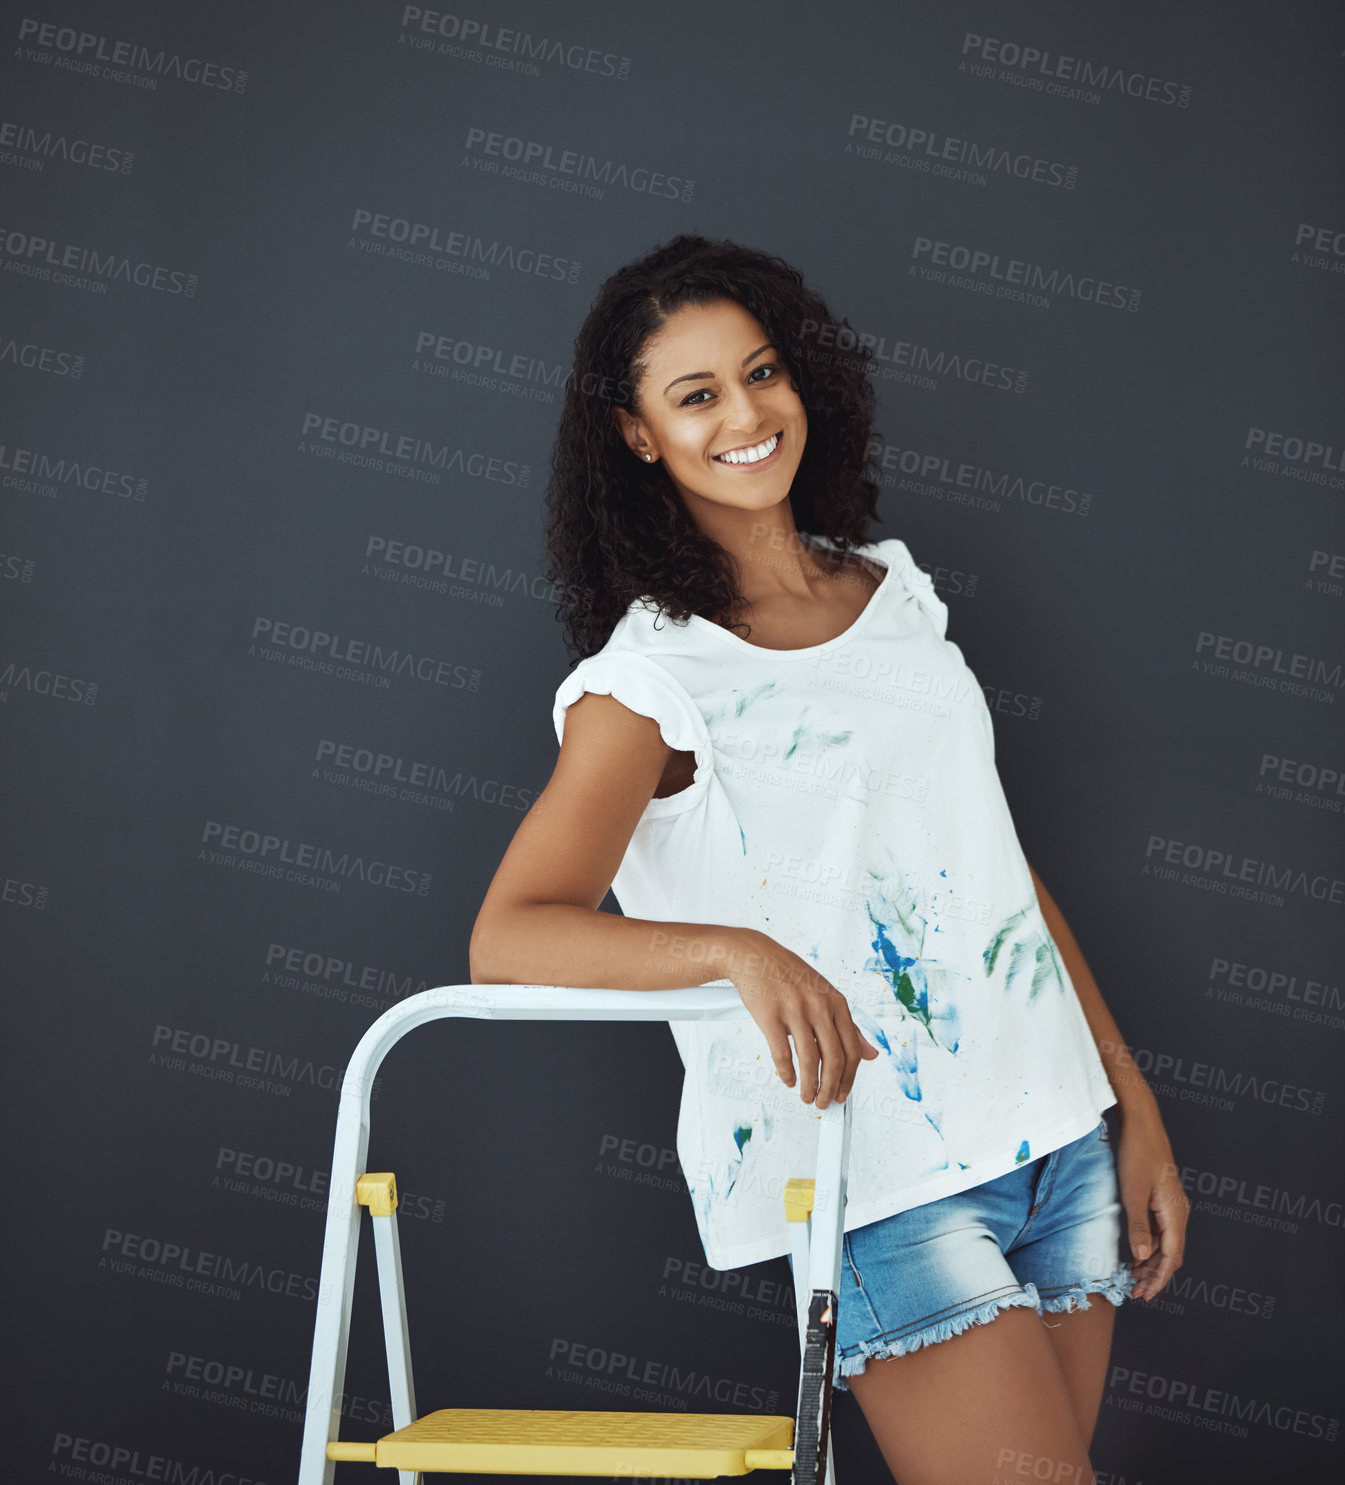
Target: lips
column 779, row 438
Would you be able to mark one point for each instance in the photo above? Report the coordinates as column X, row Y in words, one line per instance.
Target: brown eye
column 687, row 402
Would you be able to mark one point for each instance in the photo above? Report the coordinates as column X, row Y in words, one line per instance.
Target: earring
column 648, row 458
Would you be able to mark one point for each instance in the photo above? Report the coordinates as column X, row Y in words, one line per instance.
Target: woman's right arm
column 540, row 922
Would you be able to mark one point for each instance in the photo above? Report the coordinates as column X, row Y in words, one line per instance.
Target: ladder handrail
column 718, row 1000
column 531, row 1003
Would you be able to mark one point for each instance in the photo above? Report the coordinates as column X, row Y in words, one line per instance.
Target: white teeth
column 751, row 456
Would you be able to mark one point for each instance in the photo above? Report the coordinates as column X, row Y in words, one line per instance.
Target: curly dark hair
column 616, row 529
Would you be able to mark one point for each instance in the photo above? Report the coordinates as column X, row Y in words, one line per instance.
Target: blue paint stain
column 919, row 982
column 898, row 966
column 904, row 1062
column 742, row 838
column 880, row 1037
column 1022, row 1155
column 741, row 1134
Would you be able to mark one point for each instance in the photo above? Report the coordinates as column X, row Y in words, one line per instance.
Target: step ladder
column 557, row 1443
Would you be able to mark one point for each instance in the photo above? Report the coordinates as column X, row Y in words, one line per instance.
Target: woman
column 785, row 771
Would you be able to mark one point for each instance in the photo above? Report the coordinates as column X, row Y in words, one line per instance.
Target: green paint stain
column 1034, row 955
column 1001, row 937
column 746, row 698
column 804, row 735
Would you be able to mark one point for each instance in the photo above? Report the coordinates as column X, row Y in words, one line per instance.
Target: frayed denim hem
column 1116, row 1287
column 851, row 1366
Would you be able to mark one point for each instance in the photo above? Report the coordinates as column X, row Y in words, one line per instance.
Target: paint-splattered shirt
column 846, row 802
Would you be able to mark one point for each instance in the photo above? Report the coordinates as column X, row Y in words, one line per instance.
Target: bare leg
column 991, row 1404
column 1082, row 1341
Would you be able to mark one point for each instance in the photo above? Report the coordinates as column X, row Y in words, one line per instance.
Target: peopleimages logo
column 1267, row 666
column 1216, row 869
column 330, row 976
column 86, row 51
column 172, row 1260
column 1319, row 247
column 23, row 894
column 1277, row 991
column 906, row 361
column 220, row 1059
column 35, row 145
column 571, row 1360
column 1055, row 74
column 347, row 442
column 363, row 660
column 1293, row 457
column 500, row 44
column 1301, row 782
column 34, row 256
column 930, row 151
column 428, row 245
column 76, row 1452
column 265, row 854
column 40, row 472
column 1216, row 1409
column 985, row 272
column 568, row 170
column 18, row 675
column 964, row 482
column 455, row 358
column 45, row 359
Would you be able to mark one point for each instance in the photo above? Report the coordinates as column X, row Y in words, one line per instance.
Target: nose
column 741, row 419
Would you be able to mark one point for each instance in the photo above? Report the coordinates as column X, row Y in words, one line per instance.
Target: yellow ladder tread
column 698, row 1446
column 377, row 1190
column 799, row 1198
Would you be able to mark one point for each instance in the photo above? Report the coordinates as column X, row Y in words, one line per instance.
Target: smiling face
column 718, row 408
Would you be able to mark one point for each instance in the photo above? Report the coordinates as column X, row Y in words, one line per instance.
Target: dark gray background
column 527, row 1230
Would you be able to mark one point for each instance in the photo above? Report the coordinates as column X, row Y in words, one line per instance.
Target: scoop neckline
column 861, row 619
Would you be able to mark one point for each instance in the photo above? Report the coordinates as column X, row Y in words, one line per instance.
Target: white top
column 846, row 803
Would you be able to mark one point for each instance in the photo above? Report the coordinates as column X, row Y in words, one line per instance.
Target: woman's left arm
column 1146, row 1172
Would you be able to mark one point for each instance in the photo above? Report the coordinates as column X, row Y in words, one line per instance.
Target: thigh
column 1068, row 1254
column 988, row 1403
column 1081, row 1340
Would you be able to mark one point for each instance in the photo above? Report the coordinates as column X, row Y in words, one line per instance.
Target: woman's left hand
column 1155, row 1205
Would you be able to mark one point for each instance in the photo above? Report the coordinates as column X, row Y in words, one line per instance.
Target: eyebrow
column 697, row 376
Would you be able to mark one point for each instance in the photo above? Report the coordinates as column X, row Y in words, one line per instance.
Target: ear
column 628, row 427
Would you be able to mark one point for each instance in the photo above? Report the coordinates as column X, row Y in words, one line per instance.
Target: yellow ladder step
column 696, row 1446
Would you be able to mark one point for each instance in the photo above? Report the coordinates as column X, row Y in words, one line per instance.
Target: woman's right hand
column 788, row 999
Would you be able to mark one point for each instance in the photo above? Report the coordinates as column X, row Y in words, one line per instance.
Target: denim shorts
column 1045, row 1234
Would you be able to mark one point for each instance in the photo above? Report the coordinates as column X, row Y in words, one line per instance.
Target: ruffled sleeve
column 919, row 585
column 642, row 685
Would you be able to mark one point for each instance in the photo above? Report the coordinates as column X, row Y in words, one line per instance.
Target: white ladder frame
column 817, row 1250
